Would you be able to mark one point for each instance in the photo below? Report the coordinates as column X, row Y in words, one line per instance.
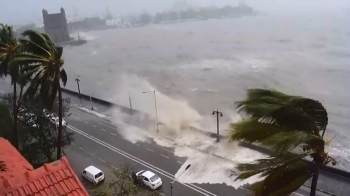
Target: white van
column 93, row 174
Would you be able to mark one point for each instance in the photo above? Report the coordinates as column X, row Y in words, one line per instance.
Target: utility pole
column 130, row 100
column 314, row 180
column 217, row 123
column 155, row 107
column 92, row 107
column 171, row 183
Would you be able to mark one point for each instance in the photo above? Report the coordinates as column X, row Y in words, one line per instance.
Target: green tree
column 291, row 126
column 9, row 47
column 42, row 64
column 37, row 134
column 5, row 121
column 40, row 135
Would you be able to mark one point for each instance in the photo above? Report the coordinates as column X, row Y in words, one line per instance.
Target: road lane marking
column 91, row 154
column 179, row 162
column 164, row 149
column 94, row 125
column 113, row 134
column 86, row 122
column 102, row 160
column 148, row 165
column 115, row 127
column 164, row 156
column 150, row 150
column 73, row 143
column 81, row 148
column 103, row 130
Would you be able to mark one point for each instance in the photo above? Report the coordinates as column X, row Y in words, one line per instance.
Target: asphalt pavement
column 101, row 140
column 99, row 143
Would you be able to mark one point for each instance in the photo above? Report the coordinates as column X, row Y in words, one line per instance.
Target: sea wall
column 327, row 169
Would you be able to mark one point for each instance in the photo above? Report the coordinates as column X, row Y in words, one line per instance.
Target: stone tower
column 56, row 26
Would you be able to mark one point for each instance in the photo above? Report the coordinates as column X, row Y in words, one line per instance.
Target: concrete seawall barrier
column 327, row 169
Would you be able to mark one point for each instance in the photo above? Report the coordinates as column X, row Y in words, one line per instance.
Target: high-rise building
column 56, row 26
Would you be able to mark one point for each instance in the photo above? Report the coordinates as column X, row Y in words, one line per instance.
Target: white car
column 93, row 174
column 55, row 120
column 149, row 179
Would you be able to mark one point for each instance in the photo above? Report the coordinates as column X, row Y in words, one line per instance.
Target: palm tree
column 9, row 47
column 289, row 125
column 42, row 63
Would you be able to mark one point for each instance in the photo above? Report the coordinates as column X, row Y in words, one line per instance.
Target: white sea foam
column 211, row 162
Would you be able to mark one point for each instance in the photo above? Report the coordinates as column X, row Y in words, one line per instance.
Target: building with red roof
column 19, row 178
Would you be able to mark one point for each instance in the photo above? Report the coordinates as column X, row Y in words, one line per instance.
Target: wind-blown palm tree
column 42, row 63
column 9, row 47
column 290, row 126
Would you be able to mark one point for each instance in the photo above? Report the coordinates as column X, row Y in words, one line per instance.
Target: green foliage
column 289, row 125
column 42, row 63
column 5, row 122
column 37, row 134
column 122, row 185
column 9, row 47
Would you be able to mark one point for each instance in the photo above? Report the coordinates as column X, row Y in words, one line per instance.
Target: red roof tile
column 52, row 179
column 14, row 161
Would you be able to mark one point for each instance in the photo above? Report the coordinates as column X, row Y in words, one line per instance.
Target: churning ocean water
column 210, row 64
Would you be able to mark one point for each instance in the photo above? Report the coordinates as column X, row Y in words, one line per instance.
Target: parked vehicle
column 55, row 120
column 93, row 174
column 148, row 179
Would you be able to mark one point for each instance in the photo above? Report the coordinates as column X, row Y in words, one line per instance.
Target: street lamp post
column 217, row 123
column 92, row 107
column 171, row 183
column 130, row 100
column 155, row 106
column 77, row 80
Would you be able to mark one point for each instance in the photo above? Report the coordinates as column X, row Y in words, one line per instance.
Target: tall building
column 56, row 26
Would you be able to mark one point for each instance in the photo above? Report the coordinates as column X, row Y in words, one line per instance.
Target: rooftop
column 17, row 176
column 93, row 170
column 148, row 174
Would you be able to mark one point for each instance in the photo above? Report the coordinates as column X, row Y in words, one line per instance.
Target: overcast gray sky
column 23, row 11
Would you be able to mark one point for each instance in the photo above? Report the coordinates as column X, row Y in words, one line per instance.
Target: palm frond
column 4, row 68
column 58, row 52
column 284, row 180
column 266, row 166
column 292, row 117
column 37, row 38
column 297, row 113
column 3, row 45
column 28, row 61
column 256, row 109
column 259, row 101
column 314, row 109
column 252, row 130
column 31, row 47
column 284, row 141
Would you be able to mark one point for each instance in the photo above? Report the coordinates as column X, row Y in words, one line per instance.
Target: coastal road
column 101, row 140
